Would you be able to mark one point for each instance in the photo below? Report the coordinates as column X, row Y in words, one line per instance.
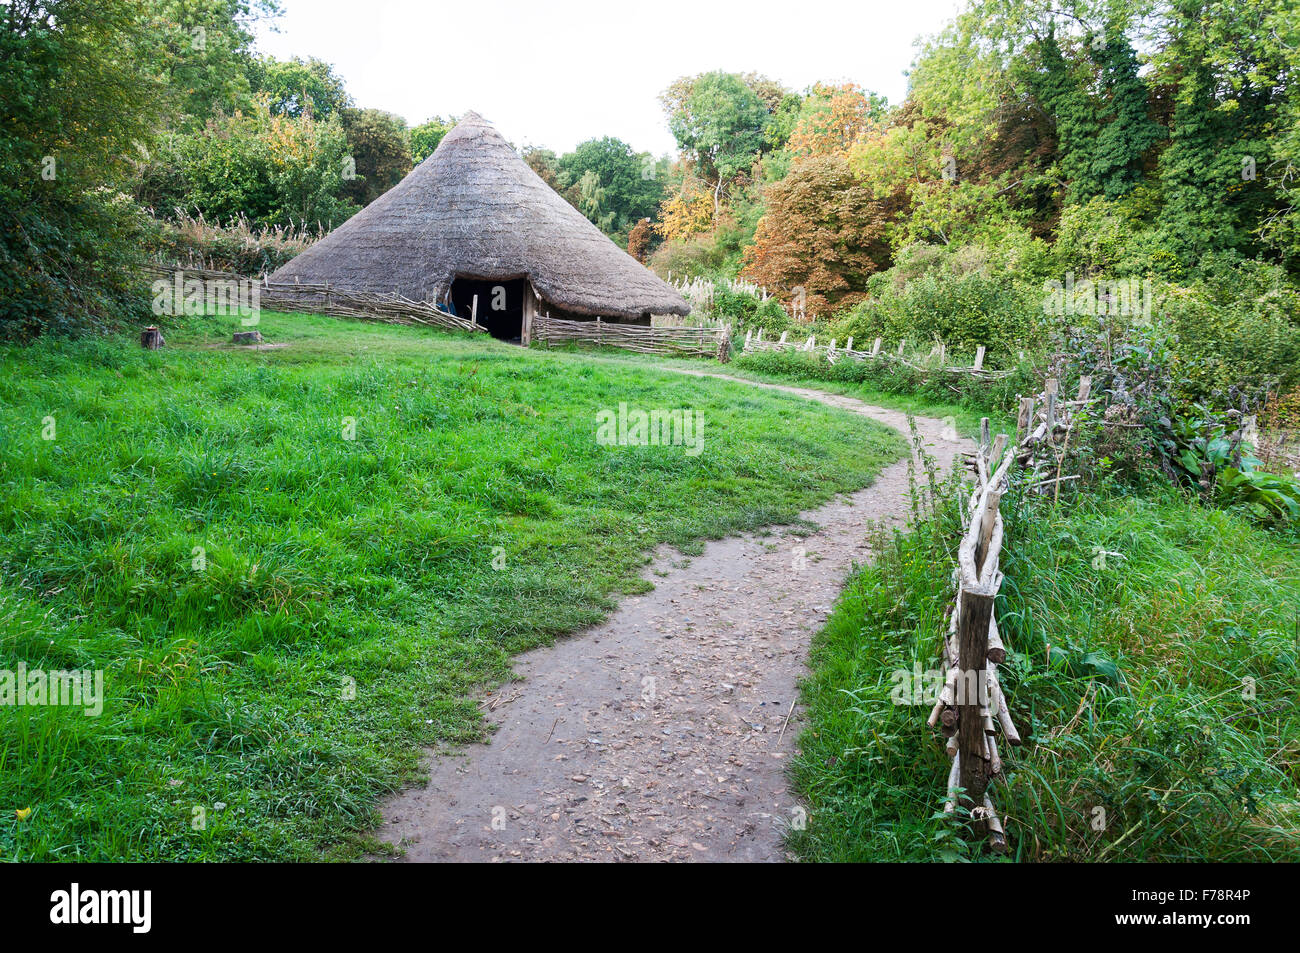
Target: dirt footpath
column 664, row 733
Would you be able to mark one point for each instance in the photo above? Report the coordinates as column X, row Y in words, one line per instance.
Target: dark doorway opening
column 500, row 305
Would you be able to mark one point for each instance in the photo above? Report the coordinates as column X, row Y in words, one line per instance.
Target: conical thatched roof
column 475, row 209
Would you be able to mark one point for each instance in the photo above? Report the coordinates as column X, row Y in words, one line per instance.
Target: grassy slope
column 328, row 560
column 1182, row 766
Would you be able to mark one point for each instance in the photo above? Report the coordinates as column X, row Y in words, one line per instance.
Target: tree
column 377, row 142
column 427, row 135
column 1230, row 79
column 1127, row 131
column 275, row 170
column 720, row 123
column 202, row 50
column 640, row 240
column 546, row 164
column 616, row 186
column 687, row 212
column 833, row 118
column 79, row 104
column 824, row 232
column 297, row 86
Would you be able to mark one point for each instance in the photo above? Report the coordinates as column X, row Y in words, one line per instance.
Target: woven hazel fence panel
column 324, row 299
column 832, row 353
column 699, row 342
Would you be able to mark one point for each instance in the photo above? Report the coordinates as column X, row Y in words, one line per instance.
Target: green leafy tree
column 79, row 104
column 296, row 86
column 202, row 50
column 616, row 186
column 275, row 170
column 721, row 124
column 377, row 143
column 427, row 135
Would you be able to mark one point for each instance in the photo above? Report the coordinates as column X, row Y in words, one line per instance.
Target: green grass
column 960, row 400
column 1128, row 681
column 329, row 562
column 796, row 371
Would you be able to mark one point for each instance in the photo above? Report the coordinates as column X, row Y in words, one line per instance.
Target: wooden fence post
column 979, row 358
column 1025, row 416
column 972, row 647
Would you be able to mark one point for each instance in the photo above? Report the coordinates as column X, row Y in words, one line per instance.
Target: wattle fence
column 692, row 342
column 972, row 706
column 706, row 340
column 937, row 359
column 313, row 298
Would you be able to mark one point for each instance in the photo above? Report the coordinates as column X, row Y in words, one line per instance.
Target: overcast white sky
column 555, row 72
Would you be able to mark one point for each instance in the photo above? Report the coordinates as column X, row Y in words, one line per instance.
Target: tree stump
column 248, row 337
column 151, row 338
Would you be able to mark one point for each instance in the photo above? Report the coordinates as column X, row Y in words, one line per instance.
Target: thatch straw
column 474, row 209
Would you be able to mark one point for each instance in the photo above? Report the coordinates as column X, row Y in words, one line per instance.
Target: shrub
column 962, row 311
column 1238, row 326
column 745, row 312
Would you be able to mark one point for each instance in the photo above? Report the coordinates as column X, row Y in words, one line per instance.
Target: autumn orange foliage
column 638, row 240
column 843, row 119
column 823, row 232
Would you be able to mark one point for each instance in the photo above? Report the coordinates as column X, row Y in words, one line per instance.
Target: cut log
column 247, row 337
column 151, row 338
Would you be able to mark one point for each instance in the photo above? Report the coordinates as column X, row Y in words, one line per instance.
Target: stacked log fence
column 972, row 708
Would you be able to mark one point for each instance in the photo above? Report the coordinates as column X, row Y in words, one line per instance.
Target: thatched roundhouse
column 473, row 219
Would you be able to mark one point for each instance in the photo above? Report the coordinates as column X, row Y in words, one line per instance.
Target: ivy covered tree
column 1127, row 130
